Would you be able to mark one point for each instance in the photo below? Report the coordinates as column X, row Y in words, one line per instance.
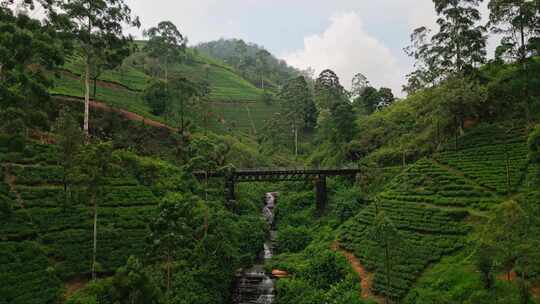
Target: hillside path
column 126, row 114
column 366, row 278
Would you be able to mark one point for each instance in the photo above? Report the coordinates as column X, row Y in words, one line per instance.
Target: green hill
column 234, row 104
column 436, row 204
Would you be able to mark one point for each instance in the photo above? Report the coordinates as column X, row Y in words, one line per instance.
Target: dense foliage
column 252, row 61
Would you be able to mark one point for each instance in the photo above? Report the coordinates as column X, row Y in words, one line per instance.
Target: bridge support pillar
column 230, row 193
column 320, row 194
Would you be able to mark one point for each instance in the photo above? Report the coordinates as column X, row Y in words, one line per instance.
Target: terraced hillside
column 427, row 230
column 234, row 104
column 495, row 156
column 435, row 203
column 36, row 214
column 25, row 271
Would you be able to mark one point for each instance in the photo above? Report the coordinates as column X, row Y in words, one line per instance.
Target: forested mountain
column 252, row 61
column 118, row 161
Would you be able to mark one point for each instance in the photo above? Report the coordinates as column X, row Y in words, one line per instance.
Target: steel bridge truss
column 280, row 175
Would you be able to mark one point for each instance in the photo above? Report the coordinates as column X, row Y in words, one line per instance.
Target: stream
column 254, row 285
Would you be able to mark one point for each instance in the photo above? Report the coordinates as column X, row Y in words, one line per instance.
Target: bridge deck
column 278, row 174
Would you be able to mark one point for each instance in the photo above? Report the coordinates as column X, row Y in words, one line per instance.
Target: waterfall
column 254, row 285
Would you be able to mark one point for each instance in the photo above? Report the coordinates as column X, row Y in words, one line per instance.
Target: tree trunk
column 94, row 252
column 295, row 141
column 169, row 262
column 387, row 270
column 87, row 96
column 182, row 115
column 456, row 131
column 438, row 133
column 523, row 59
column 95, row 89
column 166, row 69
column 508, row 186
column 64, row 181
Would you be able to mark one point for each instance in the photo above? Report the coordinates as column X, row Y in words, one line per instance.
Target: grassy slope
column 434, row 203
column 233, row 104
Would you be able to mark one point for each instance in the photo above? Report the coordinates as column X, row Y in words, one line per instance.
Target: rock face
column 254, row 285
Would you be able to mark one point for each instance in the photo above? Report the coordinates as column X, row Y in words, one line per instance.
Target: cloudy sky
column 347, row 36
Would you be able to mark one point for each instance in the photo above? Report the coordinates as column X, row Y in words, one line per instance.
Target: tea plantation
column 223, row 115
column 34, row 212
column 495, row 156
column 426, row 233
column 435, row 202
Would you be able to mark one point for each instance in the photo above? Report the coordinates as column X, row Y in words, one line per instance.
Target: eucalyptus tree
column 519, row 23
column 297, row 107
column 328, row 90
column 70, row 138
column 181, row 92
column 108, row 58
column 359, row 84
column 262, row 64
column 336, row 114
column 166, row 43
column 97, row 26
column 95, row 163
column 455, row 50
column 175, row 230
column 461, row 40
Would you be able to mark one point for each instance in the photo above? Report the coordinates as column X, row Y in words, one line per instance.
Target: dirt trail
column 536, row 290
column 73, row 286
column 366, row 278
column 126, row 114
column 10, row 181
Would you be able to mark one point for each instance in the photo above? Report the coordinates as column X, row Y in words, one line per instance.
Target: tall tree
column 96, row 25
column 166, row 43
column 343, row 121
column 456, row 49
column 426, row 62
column 387, row 97
column 461, row 41
column 108, row 58
column 359, row 84
column 296, row 106
column 173, row 232
column 518, row 21
column 372, row 99
column 328, row 90
column 262, row 64
column 181, row 92
column 95, row 164
column 70, row 139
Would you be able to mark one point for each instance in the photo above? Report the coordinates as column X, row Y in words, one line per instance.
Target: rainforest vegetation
column 103, row 139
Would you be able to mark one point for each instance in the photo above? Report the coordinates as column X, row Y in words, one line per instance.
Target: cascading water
column 254, row 285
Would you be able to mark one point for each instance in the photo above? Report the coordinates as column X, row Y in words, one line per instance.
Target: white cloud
column 347, row 48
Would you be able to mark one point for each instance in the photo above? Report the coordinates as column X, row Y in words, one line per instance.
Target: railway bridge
column 234, row 176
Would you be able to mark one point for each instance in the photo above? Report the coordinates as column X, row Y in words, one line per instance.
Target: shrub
column 16, row 143
column 534, row 144
column 293, row 239
column 38, row 119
